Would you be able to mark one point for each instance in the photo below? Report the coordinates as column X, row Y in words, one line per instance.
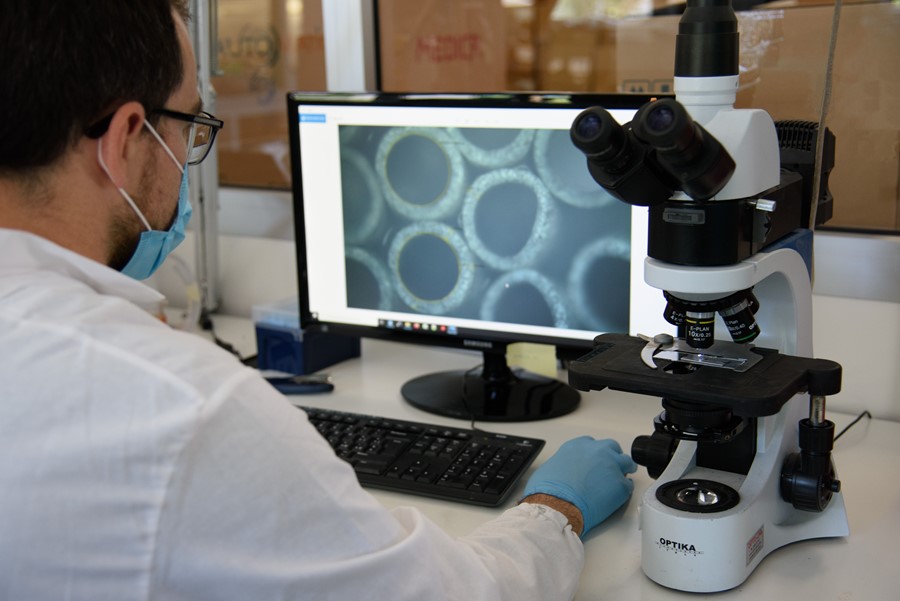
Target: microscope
column 741, row 452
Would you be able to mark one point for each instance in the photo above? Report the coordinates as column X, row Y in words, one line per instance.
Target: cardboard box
column 863, row 113
column 576, row 57
column 520, row 48
column 259, row 155
column 442, row 46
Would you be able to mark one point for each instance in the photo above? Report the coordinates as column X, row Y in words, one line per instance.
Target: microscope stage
column 616, row 363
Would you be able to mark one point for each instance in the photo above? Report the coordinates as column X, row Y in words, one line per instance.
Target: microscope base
column 711, row 552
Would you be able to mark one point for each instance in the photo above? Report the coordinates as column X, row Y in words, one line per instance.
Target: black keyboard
column 456, row 464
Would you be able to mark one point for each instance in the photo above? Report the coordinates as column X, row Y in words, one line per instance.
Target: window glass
column 628, row 46
column 265, row 49
column 268, row 47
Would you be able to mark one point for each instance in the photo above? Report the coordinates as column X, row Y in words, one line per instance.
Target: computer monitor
column 468, row 221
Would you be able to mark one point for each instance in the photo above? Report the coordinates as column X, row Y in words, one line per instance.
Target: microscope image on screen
column 490, row 224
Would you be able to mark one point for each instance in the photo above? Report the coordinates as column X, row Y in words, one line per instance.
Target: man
column 138, row 462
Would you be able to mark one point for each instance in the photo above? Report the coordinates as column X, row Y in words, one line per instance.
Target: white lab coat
column 140, row 462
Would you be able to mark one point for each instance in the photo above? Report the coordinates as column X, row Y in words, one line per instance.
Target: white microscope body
column 740, row 469
column 707, row 552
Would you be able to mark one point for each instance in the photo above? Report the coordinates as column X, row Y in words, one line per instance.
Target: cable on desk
column 206, row 323
column 865, row 413
column 465, row 397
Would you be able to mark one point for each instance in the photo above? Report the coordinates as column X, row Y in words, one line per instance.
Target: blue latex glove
column 589, row 474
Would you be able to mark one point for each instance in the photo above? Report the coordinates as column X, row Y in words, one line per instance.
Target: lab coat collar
column 26, row 252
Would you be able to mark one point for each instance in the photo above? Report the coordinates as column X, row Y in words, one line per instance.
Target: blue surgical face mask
column 155, row 245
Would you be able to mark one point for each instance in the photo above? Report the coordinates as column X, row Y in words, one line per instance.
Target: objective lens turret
column 696, row 319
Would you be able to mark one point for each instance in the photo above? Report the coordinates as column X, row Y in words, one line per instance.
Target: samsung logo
column 478, row 344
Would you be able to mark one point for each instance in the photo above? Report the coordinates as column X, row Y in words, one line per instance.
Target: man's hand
column 585, row 473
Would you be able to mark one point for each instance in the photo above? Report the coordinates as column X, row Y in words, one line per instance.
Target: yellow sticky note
column 536, row 358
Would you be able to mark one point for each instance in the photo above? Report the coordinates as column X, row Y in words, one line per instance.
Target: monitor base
column 493, row 393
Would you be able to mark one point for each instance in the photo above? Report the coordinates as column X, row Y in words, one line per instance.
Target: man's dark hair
column 66, row 64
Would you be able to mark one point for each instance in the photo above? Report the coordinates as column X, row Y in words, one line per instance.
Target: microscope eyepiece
column 662, row 150
column 696, row 159
column 600, row 137
column 587, row 126
column 660, row 118
column 666, row 126
column 618, row 161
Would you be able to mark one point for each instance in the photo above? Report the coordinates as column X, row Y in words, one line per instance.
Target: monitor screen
column 468, row 221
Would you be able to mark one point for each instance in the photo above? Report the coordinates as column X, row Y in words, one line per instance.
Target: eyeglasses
column 200, row 136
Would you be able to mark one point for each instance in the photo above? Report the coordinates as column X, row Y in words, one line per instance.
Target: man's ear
column 119, row 148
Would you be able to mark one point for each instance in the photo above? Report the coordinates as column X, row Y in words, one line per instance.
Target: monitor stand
column 492, row 393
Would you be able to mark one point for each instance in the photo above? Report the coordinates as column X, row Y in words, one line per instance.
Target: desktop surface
column 858, row 567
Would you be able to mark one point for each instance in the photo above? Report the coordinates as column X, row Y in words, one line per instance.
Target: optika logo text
column 672, row 545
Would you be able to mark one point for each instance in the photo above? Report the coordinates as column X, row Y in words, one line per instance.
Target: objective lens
column 740, row 322
column 700, row 329
column 673, row 315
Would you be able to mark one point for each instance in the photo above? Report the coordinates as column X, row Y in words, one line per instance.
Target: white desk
column 857, row 568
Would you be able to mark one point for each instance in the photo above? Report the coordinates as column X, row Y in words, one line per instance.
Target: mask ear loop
column 165, row 146
column 121, row 190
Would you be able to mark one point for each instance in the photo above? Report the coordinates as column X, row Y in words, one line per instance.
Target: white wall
column 864, row 337
column 258, row 265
